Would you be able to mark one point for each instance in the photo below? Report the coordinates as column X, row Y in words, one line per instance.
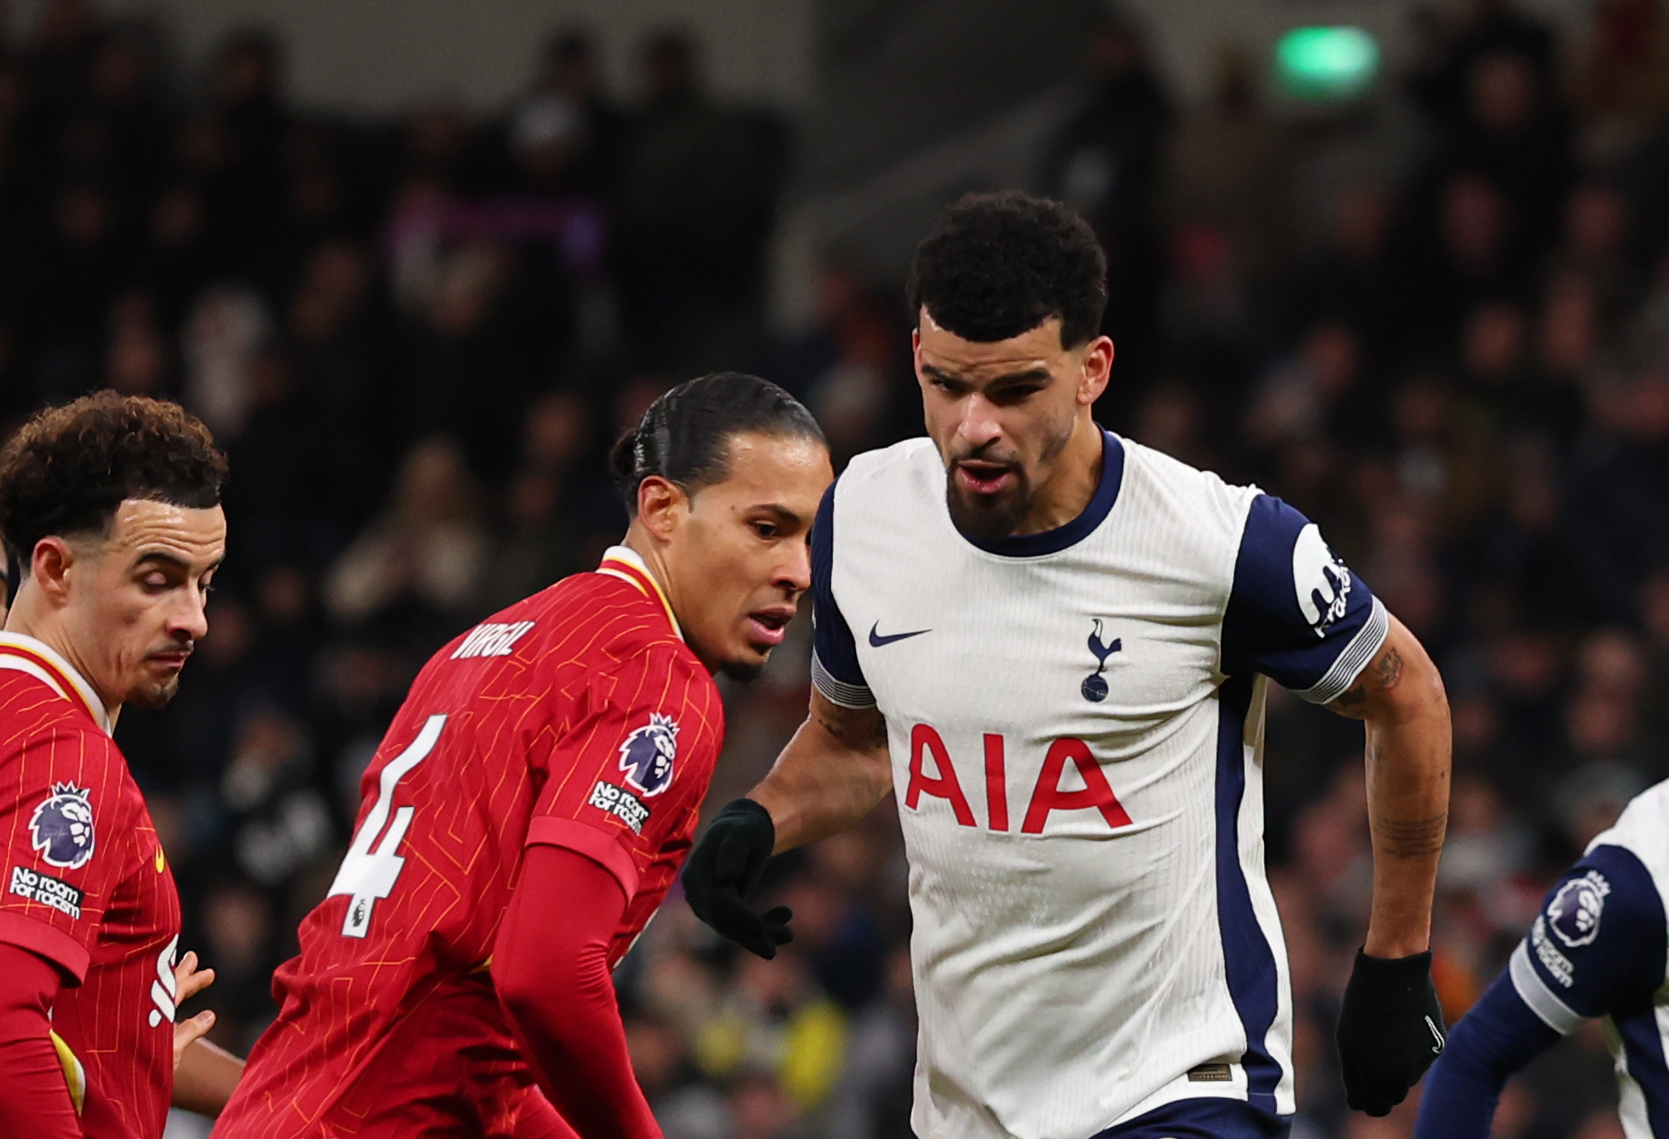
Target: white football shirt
column 1600, row 948
column 1075, row 725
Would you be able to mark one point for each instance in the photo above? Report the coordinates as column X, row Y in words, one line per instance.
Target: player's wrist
column 756, row 808
column 1396, row 946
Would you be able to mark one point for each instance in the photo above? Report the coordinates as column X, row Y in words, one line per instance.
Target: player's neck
column 640, row 544
column 31, row 616
column 1072, row 484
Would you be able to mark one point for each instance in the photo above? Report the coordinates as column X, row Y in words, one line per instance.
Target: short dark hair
column 1002, row 264
column 67, row 469
column 684, row 437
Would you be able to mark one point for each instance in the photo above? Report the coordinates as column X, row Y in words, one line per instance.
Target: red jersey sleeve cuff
column 42, row 940
column 595, row 844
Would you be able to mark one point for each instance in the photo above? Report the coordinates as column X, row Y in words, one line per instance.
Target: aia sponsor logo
column 927, row 747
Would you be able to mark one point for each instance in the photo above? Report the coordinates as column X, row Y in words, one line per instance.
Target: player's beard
column 154, row 694
column 990, row 517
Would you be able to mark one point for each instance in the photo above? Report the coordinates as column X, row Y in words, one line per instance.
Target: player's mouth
column 171, row 659
column 769, row 626
column 984, row 478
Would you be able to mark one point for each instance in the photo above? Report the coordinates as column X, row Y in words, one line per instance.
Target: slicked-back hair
column 67, row 470
column 685, row 435
column 1002, row 264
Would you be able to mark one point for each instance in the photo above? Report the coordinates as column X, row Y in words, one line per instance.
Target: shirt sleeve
column 1599, row 942
column 834, row 654
column 1296, row 613
column 1497, row 1037
column 61, row 829
column 634, row 761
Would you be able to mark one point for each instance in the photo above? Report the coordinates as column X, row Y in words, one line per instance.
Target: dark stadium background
column 1435, row 318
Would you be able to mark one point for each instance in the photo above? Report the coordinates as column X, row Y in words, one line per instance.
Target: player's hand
column 188, row 982
column 723, row 871
column 1390, row 1030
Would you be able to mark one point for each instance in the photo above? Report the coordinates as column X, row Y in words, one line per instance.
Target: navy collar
column 1075, row 531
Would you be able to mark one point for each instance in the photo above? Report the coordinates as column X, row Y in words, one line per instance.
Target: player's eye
column 765, row 529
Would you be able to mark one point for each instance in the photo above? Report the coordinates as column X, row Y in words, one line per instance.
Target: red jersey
column 87, row 888
column 577, row 717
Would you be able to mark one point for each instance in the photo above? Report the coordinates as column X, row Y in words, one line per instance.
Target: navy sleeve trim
column 837, row 691
column 1362, row 649
column 834, row 653
column 1542, row 1001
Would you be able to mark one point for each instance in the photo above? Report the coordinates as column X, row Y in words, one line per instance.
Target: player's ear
column 660, row 503
column 50, row 566
column 1097, row 370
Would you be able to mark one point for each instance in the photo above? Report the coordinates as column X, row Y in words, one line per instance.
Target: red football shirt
column 87, row 888
column 577, row 717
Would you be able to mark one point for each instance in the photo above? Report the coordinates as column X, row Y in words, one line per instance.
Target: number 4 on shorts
column 367, row 875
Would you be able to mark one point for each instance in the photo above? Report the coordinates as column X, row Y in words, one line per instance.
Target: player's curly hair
column 67, row 469
column 684, row 437
column 1002, row 264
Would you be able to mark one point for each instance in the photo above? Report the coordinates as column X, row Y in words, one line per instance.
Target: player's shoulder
column 1158, row 483
column 35, row 715
column 887, row 469
column 1643, row 830
column 591, row 620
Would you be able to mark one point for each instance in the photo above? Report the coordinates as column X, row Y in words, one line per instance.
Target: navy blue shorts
column 1203, row 1119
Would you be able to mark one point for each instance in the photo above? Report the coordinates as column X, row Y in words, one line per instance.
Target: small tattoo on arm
column 1409, row 838
column 1388, row 669
column 859, row 731
column 1384, row 674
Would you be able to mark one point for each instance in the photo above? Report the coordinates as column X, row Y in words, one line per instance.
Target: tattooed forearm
column 1409, row 838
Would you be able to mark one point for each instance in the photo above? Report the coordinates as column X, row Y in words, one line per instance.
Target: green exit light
column 1326, row 64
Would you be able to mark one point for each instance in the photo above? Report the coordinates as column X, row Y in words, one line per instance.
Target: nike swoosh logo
column 876, row 640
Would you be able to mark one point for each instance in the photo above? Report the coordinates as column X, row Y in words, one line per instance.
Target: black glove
column 723, row 871
column 1390, row 1030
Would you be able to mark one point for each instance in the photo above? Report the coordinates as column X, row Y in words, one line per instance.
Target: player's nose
column 979, row 425
column 190, row 617
column 794, row 573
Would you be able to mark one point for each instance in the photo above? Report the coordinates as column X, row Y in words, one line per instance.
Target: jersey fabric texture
column 87, row 887
column 1075, row 723
column 1598, row 948
column 578, row 718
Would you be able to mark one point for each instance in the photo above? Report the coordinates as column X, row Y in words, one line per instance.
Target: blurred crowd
column 1436, row 321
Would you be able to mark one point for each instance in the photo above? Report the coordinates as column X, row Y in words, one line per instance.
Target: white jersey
column 1075, row 724
column 1600, row 948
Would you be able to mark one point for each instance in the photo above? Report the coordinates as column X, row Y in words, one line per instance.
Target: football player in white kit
column 1051, row 643
column 1598, row 948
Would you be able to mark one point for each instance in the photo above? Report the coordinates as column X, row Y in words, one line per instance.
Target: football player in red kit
column 111, row 507
column 532, row 802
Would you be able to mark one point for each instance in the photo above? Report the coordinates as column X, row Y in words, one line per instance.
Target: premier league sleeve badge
column 61, row 828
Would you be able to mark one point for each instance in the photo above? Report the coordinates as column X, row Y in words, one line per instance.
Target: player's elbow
column 550, row 994
column 1409, row 691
